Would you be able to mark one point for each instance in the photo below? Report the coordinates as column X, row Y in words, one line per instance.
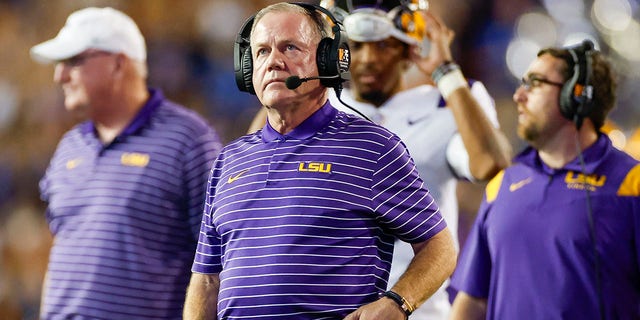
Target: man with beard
column 558, row 232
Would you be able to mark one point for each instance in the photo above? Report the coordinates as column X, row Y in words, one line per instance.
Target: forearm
column 486, row 145
column 466, row 307
column 202, row 297
column 432, row 264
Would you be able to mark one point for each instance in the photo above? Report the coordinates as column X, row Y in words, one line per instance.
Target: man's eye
column 73, row 61
column 290, row 47
column 534, row 82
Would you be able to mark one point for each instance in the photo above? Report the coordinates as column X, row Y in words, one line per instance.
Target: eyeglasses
column 80, row 59
column 534, row 81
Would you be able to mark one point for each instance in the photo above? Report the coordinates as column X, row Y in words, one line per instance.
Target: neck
column 561, row 149
column 286, row 117
column 118, row 112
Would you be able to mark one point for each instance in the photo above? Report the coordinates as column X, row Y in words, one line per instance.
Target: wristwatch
column 401, row 301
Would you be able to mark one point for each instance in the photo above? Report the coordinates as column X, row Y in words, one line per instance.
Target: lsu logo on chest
column 134, row 159
column 314, row 167
column 580, row 181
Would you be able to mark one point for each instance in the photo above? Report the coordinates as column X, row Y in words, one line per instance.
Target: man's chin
column 277, row 97
column 77, row 111
column 373, row 95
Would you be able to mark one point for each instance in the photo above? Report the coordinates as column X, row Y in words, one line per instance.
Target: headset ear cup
column 242, row 63
column 326, row 67
column 247, row 71
column 567, row 103
column 576, row 96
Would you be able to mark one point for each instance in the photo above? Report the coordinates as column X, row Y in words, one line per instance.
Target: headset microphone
column 293, row 82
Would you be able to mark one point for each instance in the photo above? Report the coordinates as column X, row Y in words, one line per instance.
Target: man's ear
column 121, row 61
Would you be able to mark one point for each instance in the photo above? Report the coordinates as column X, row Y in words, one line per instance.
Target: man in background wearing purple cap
column 125, row 187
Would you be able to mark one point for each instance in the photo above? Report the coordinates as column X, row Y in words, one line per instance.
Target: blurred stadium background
column 190, row 57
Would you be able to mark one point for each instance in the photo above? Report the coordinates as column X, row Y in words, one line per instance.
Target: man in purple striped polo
column 124, row 188
column 300, row 217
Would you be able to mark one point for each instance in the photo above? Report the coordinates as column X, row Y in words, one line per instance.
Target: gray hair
column 323, row 25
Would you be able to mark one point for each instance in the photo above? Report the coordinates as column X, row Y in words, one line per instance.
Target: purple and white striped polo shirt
column 302, row 225
column 125, row 216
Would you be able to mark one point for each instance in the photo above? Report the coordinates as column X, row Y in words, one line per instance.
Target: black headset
column 332, row 55
column 576, row 96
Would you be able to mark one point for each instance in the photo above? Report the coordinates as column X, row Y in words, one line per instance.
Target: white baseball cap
column 104, row 29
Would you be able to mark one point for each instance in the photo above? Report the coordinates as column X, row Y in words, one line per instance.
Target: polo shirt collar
column 306, row 129
column 593, row 156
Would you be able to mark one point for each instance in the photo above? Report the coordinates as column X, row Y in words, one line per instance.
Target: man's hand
column 381, row 309
column 440, row 37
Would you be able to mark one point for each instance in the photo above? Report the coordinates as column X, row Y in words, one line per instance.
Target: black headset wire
column 338, row 90
column 592, row 232
column 592, row 228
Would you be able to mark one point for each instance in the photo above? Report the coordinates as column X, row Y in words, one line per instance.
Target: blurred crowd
column 190, row 45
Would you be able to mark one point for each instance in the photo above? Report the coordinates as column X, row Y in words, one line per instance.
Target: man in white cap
column 125, row 188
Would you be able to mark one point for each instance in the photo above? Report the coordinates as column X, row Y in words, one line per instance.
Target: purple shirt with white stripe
column 302, row 225
column 125, row 216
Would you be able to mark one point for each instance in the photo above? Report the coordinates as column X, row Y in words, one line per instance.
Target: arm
column 486, row 144
column 466, row 307
column 202, row 297
column 435, row 257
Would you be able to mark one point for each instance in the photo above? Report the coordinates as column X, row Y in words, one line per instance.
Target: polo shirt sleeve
column 630, row 188
column 473, row 272
column 209, row 250
column 401, row 201
column 636, row 219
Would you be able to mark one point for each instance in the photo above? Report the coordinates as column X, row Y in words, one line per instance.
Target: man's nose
column 61, row 73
